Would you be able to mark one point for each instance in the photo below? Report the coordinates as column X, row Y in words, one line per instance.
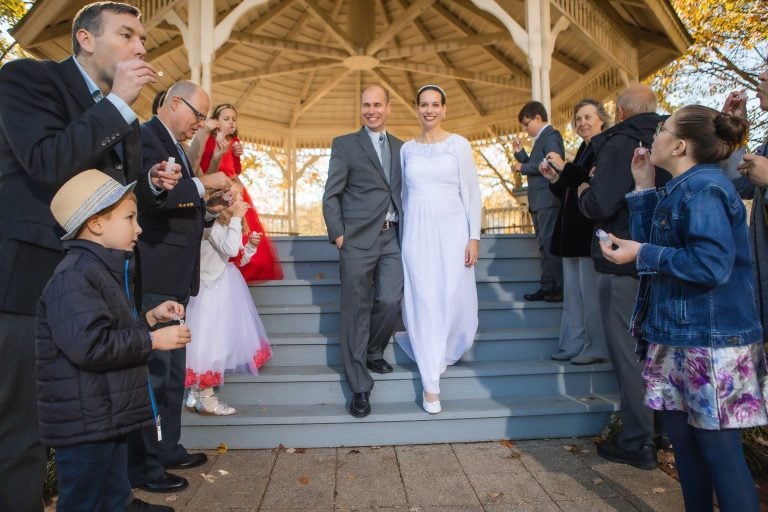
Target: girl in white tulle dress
column 226, row 328
column 440, row 246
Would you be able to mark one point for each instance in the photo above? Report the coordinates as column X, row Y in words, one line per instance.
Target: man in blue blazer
column 56, row 120
column 169, row 247
column 544, row 206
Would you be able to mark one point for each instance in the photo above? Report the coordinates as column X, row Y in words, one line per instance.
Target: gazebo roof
column 296, row 68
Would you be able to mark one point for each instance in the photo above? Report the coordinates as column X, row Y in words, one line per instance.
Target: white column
column 205, row 36
column 535, row 50
column 193, row 41
column 547, row 47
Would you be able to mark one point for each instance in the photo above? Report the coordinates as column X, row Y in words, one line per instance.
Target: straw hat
column 83, row 196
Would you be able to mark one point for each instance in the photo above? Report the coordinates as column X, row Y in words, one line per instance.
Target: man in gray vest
column 362, row 207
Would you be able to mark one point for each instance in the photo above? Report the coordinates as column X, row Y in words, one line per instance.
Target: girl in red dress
column 222, row 152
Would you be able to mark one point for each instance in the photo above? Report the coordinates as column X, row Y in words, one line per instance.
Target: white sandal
column 209, row 405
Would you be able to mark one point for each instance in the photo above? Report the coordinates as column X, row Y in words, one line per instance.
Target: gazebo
column 295, row 68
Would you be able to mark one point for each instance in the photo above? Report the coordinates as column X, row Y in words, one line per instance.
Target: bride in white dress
column 440, row 245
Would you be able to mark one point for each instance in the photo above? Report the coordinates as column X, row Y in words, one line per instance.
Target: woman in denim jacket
column 705, row 364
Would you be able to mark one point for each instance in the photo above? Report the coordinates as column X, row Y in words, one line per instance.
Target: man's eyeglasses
column 200, row 117
column 526, row 122
column 660, row 128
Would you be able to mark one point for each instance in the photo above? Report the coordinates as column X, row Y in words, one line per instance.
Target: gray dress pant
column 371, row 291
column 22, row 464
column 551, row 266
column 617, row 299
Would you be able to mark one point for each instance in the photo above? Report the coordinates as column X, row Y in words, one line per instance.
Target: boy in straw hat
column 92, row 345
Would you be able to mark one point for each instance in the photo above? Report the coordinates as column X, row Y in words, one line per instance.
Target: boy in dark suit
column 544, row 206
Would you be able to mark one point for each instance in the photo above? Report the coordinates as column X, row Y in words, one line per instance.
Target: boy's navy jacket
column 91, row 352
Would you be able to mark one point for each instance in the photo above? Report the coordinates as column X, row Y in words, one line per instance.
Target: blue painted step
column 505, row 387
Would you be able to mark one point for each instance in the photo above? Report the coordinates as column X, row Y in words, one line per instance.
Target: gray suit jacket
column 357, row 194
column 539, row 195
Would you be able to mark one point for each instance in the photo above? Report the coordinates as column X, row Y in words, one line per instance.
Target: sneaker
column 142, row 506
column 644, row 458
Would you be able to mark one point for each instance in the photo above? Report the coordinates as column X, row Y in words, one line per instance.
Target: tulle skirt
column 227, row 333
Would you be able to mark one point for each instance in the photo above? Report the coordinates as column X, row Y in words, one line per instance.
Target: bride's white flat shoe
column 430, row 407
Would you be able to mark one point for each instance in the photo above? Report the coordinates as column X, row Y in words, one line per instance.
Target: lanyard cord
column 155, row 413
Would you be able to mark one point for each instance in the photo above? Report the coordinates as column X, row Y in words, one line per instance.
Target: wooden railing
column 277, row 225
column 514, row 220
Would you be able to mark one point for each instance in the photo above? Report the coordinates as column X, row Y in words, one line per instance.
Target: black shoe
column 539, row 294
column 166, row 483
column 644, row 458
column 662, row 442
column 379, row 366
column 554, row 296
column 360, row 406
column 142, row 506
column 192, row 461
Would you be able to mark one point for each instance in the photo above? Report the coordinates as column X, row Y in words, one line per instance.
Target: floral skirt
column 723, row 387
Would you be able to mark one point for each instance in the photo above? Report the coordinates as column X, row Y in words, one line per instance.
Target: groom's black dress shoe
column 379, row 366
column 192, row 461
column 539, row 294
column 360, row 406
column 166, row 483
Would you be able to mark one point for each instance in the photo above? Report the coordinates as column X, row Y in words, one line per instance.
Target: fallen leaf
column 301, row 450
column 507, row 443
column 304, row 480
column 514, row 455
column 222, row 472
column 290, row 450
column 584, row 451
column 494, row 496
column 264, row 409
column 208, row 478
column 353, row 451
column 658, row 490
column 569, row 447
column 172, row 497
column 222, row 448
column 319, row 275
column 598, row 481
column 351, row 477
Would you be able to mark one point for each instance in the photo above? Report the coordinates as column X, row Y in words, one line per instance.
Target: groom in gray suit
column 362, row 207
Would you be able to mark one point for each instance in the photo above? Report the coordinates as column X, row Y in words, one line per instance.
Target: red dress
column 264, row 265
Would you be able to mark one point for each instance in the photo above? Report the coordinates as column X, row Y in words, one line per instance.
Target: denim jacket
column 696, row 282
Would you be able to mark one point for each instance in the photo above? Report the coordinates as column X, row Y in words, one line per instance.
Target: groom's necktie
column 386, row 156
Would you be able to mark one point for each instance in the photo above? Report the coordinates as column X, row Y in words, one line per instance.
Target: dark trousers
column 710, row 460
column 93, row 477
column 371, row 291
column 22, row 464
column 148, row 458
column 617, row 299
column 551, row 266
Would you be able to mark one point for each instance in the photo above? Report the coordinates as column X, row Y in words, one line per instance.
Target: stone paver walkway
column 531, row 476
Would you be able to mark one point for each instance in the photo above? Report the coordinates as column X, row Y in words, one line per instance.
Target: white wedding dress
column 440, row 296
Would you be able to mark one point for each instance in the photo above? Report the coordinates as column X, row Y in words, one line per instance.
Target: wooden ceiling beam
column 164, row 49
column 459, row 74
column 288, row 44
column 443, row 45
column 330, row 25
column 469, row 31
column 411, row 13
column 275, row 70
column 319, row 93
